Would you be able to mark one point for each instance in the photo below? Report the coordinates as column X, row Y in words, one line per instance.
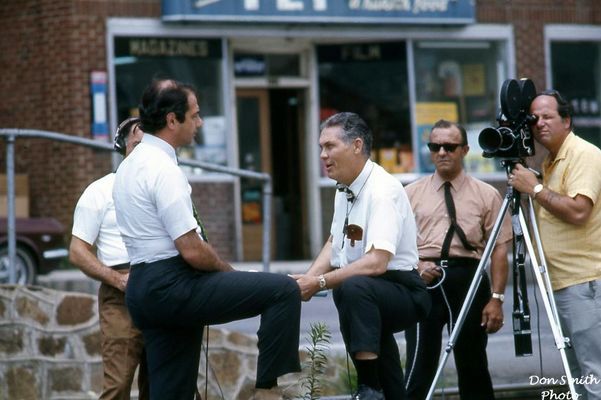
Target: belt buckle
column 444, row 263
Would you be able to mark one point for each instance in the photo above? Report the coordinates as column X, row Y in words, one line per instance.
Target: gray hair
column 353, row 126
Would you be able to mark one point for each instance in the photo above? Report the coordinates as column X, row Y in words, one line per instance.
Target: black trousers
column 170, row 302
column 371, row 310
column 424, row 340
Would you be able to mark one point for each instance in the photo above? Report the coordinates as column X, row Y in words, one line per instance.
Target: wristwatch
column 498, row 296
column 322, row 282
column 537, row 189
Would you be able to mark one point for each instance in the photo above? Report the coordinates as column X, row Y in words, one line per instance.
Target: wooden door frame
column 264, row 124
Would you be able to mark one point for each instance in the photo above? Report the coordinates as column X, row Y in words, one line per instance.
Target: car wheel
column 26, row 266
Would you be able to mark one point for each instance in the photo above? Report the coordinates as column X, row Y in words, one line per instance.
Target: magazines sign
column 322, row 11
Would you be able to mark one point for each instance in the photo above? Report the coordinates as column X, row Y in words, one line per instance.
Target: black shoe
column 366, row 393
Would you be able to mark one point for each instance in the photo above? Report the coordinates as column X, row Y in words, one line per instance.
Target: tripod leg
column 469, row 298
column 548, row 301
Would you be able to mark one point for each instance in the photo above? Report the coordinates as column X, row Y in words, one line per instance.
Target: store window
column 370, row 79
column 195, row 61
column 575, row 74
column 458, row 81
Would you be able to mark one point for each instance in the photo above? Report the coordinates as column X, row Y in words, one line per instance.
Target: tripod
column 521, row 317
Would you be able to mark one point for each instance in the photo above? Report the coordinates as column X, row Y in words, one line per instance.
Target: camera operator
column 569, row 216
column 177, row 282
column 455, row 214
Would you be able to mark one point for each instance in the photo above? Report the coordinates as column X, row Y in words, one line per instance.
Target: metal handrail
column 10, row 136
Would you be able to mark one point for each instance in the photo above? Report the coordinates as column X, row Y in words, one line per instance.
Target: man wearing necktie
column 455, row 214
column 178, row 283
column 369, row 259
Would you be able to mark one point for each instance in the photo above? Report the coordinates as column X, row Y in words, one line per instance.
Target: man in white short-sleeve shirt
column 95, row 225
column 178, row 283
column 369, row 259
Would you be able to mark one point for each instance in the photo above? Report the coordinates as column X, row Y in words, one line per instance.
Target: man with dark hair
column 369, row 259
column 569, row 217
column 94, row 224
column 178, row 283
column 455, row 214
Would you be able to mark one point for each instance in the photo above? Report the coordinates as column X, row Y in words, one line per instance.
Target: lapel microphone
column 350, row 196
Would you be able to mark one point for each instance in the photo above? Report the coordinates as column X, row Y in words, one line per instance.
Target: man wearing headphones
column 95, row 224
column 455, row 214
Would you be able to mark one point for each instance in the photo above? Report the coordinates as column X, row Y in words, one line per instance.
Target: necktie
column 203, row 234
column 350, row 196
column 446, row 244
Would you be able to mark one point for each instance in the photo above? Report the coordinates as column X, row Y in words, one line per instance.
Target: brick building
column 268, row 72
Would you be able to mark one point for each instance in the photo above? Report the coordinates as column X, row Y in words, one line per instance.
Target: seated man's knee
column 353, row 286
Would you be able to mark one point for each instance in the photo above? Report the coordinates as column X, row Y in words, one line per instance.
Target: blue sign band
column 320, row 11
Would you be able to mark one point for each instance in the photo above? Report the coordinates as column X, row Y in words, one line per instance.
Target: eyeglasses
column 448, row 147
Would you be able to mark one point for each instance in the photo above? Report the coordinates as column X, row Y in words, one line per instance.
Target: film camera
column 512, row 139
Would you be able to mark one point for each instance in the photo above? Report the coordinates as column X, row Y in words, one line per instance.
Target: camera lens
column 492, row 140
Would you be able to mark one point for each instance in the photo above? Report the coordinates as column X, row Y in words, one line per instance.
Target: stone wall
column 50, row 349
column 49, row 344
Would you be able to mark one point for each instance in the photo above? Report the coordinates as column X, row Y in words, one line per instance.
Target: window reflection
column 459, row 82
column 370, row 79
column 194, row 61
column 575, row 70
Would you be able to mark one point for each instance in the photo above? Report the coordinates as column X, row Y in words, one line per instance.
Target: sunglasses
column 448, row 147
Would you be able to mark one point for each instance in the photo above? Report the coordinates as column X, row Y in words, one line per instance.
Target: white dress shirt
column 382, row 210
column 152, row 199
column 94, row 222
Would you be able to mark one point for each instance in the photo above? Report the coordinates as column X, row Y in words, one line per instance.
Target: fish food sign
column 322, row 11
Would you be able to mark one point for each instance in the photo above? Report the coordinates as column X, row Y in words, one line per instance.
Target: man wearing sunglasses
column 95, row 224
column 455, row 214
column 569, row 216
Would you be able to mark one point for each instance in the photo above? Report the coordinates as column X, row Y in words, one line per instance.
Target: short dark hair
column 444, row 124
column 353, row 126
column 564, row 108
column 159, row 99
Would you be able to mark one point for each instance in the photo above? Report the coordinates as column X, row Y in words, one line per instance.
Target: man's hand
column 308, row 284
column 428, row 271
column 122, row 281
column 492, row 316
column 523, row 180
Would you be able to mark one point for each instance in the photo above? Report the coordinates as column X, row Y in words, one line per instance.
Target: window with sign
column 458, row 81
column 370, row 79
column 575, row 70
column 194, row 61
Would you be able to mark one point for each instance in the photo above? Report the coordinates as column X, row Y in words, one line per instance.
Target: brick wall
column 529, row 18
column 47, row 51
column 215, row 204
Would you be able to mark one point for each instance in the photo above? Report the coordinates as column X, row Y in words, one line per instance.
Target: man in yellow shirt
column 569, row 216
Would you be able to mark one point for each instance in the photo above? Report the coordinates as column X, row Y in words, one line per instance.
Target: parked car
column 40, row 248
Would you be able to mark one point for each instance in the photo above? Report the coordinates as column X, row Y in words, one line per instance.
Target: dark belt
column 453, row 262
column 120, row 267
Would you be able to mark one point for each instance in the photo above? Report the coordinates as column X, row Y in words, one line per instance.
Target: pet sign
column 322, row 11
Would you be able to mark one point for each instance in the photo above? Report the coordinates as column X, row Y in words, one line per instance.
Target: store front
column 574, row 68
column 264, row 87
